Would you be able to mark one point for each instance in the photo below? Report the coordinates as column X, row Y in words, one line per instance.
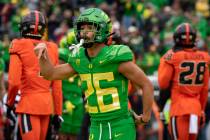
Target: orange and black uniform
column 39, row 97
column 186, row 72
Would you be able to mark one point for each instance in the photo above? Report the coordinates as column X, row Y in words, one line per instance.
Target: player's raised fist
column 41, row 50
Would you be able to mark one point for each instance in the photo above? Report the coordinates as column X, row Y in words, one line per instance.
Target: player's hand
column 10, row 114
column 203, row 119
column 41, row 50
column 56, row 122
column 140, row 119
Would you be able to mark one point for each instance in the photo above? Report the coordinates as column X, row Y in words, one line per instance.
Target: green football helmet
column 71, row 38
column 68, row 40
column 100, row 20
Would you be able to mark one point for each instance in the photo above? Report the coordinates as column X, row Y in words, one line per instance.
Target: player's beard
column 88, row 42
column 88, row 45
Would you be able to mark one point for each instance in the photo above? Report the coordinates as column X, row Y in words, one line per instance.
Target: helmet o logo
column 98, row 37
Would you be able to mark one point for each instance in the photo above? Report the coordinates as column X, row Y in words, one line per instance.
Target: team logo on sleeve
column 77, row 61
column 168, row 56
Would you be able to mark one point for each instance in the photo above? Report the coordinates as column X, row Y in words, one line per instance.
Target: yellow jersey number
column 101, row 92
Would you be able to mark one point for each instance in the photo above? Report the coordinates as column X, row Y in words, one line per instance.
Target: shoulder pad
column 53, row 47
column 168, row 56
column 52, row 44
column 123, row 53
column 14, row 46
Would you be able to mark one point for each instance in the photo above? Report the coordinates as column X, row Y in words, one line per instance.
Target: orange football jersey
column 186, row 73
column 38, row 96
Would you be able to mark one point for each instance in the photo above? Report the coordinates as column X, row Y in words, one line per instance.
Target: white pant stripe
column 25, row 123
column 173, row 124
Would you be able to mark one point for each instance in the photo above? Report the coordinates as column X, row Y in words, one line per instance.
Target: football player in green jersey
column 73, row 108
column 68, row 40
column 104, row 72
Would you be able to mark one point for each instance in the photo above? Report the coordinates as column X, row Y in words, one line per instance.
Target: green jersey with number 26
column 106, row 90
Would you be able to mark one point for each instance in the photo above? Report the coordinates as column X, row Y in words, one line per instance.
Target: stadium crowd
column 146, row 26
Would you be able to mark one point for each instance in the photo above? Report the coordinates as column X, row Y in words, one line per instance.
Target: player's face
column 87, row 32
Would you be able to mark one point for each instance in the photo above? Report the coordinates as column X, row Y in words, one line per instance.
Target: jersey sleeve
column 14, row 79
column 165, row 71
column 169, row 57
column 63, row 54
column 73, row 57
column 14, row 49
column 57, row 87
column 204, row 91
column 124, row 53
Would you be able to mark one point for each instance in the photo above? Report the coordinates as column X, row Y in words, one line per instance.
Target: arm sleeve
column 204, row 91
column 165, row 74
column 14, row 79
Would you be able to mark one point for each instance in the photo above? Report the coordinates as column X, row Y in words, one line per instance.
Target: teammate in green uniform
column 68, row 40
column 73, row 108
column 104, row 72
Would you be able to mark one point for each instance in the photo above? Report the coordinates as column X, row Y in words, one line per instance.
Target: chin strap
column 88, row 45
column 113, row 33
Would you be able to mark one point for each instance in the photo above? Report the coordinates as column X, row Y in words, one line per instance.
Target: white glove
column 75, row 47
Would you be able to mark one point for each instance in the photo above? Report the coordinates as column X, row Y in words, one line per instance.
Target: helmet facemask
column 99, row 36
column 185, row 36
column 33, row 25
column 92, row 17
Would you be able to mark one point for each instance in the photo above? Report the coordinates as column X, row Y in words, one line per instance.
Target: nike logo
column 117, row 135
